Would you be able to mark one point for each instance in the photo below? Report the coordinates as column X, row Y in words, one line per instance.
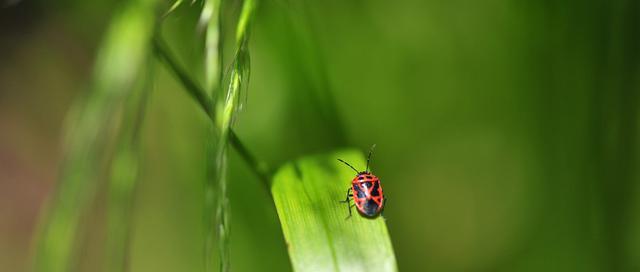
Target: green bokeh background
column 507, row 131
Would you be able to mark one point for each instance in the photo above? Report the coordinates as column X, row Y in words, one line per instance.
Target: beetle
column 366, row 191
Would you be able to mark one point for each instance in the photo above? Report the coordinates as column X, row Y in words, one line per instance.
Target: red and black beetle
column 367, row 191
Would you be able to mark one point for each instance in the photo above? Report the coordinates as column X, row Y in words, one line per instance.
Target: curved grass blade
column 319, row 238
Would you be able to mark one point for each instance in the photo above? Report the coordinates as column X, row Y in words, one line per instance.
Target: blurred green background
column 507, row 131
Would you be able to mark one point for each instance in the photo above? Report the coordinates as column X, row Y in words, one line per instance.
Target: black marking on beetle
column 370, row 207
column 376, row 188
column 360, row 178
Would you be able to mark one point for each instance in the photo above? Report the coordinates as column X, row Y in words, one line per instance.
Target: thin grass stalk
column 123, row 51
column 125, row 169
column 211, row 19
column 259, row 168
column 225, row 116
column 163, row 53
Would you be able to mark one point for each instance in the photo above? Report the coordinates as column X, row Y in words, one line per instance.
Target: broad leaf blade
column 319, row 238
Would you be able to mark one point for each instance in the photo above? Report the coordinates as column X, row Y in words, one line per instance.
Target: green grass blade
column 123, row 52
column 125, row 168
column 319, row 238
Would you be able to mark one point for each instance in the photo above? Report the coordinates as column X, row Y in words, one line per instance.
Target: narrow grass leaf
column 227, row 105
column 210, row 19
column 318, row 235
column 117, row 67
column 125, row 168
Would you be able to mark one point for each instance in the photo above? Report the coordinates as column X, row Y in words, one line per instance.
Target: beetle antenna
column 349, row 166
column 369, row 157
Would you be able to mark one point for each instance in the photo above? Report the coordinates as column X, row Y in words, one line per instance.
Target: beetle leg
column 348, row 201
column 348, row 195
column 350, row 206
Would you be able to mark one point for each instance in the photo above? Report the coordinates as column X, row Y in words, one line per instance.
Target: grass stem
column 258, row 167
